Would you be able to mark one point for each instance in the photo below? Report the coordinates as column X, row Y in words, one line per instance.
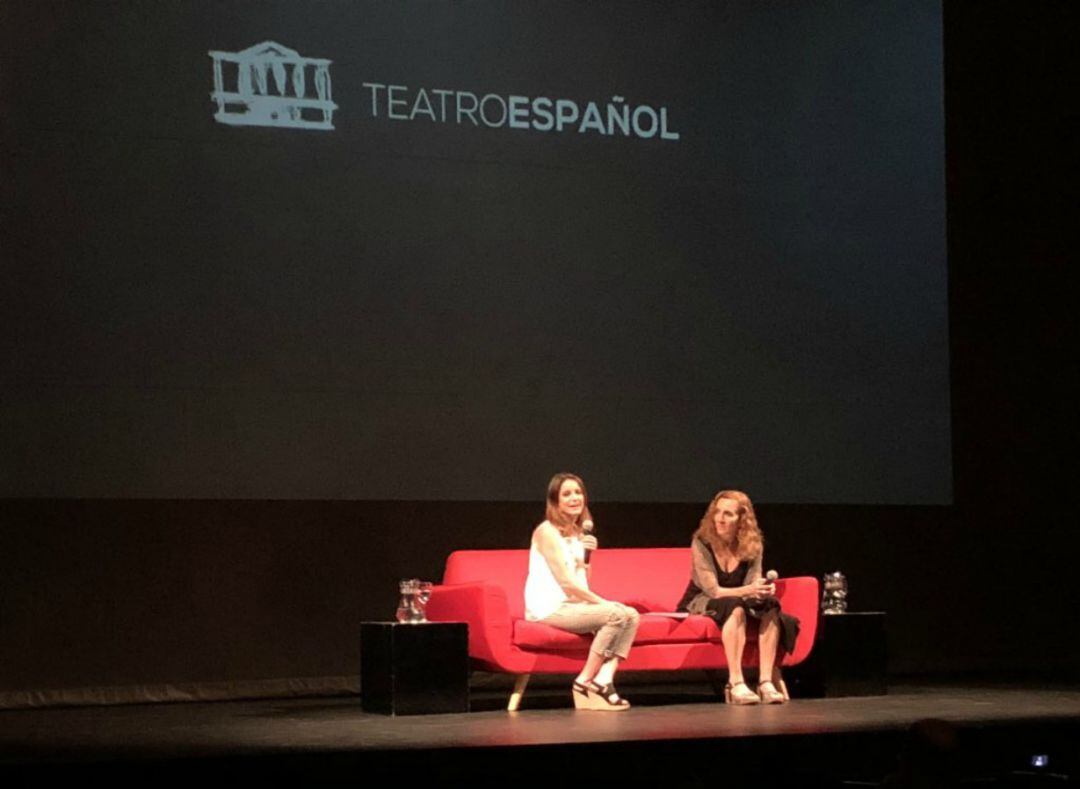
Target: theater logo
column 272, row 85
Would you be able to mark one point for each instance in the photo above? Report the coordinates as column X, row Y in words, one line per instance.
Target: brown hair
column 557, row 519
column 749, row 541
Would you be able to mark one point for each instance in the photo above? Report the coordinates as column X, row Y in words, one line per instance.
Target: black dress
column 720, row 608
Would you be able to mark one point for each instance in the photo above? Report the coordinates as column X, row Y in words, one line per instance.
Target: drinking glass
column 834, row 589
column 423, row 595
column 408, row 608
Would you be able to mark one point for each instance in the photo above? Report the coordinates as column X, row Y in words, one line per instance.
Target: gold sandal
column 744, row 697
column 769, row 694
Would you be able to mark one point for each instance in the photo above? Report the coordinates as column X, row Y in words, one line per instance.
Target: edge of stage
column 682, row 735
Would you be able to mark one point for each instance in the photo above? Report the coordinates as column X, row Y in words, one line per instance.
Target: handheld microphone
column 757, row 607
column 589, row 540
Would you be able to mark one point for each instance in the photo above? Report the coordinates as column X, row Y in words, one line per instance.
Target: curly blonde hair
column 749, row 541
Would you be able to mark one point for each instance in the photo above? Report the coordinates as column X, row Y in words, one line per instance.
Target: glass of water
column 834, row 590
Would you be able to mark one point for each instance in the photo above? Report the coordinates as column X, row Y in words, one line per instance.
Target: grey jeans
column 614, row 624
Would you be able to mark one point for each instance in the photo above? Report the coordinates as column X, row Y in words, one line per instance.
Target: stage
column 681, row 735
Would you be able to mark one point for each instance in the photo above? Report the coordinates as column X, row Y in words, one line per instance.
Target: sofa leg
column 718, row 682
column 519, row 690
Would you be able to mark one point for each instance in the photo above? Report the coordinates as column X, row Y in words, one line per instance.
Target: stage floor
column 331, row 738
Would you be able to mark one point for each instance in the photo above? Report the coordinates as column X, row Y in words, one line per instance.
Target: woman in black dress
column 727, row 584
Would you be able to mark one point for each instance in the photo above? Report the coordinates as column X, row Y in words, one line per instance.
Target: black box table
column 417, row 669
column 848, row 658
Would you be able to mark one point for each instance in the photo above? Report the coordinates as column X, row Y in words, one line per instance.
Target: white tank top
column 543, row 595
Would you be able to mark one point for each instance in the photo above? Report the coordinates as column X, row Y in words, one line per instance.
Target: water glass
column 408, row 610
column 834, row 589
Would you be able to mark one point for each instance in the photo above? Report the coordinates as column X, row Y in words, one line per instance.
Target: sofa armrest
column 484, row 608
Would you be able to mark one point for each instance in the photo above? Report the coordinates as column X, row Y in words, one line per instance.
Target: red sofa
column 486, row 590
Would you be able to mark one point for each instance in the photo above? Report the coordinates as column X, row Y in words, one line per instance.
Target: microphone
column 758, row 607
column 588, row 540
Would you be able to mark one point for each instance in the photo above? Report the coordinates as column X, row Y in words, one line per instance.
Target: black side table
column 418, row 669
column 848, row 658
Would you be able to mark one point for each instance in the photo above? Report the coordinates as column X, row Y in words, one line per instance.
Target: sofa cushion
column 653, row 629
column 660, row 629
column 648, row 579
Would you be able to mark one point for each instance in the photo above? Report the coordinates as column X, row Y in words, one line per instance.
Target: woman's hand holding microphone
column 761, row 588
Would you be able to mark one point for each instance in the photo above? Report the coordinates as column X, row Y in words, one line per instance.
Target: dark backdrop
column 427, row 309
column 163, row 598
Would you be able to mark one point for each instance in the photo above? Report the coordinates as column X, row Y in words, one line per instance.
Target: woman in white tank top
column 557, row 593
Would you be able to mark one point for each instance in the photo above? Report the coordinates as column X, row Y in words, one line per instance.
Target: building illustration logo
column 272, row 85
